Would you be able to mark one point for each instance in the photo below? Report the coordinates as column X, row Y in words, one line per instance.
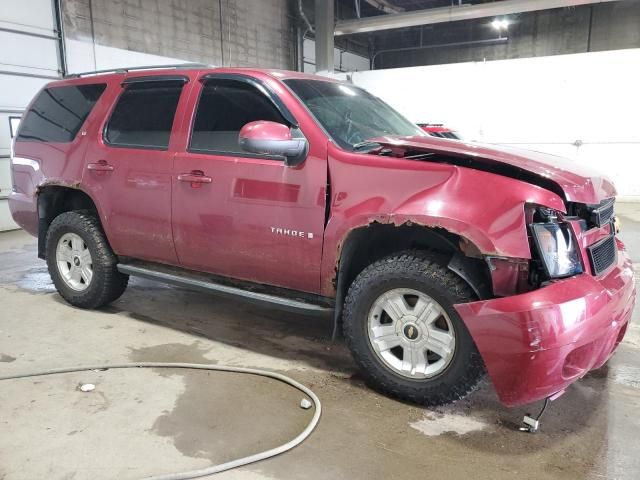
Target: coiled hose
column 218, row 368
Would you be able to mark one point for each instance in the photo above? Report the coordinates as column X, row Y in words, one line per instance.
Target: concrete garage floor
column 142, row 422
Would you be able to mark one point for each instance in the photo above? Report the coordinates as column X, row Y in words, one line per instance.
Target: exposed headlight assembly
column 557, row 248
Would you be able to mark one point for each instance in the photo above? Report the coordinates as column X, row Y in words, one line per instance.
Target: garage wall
column 581, row 106
column 29, row 58
column 343, row 61
column 104, row 34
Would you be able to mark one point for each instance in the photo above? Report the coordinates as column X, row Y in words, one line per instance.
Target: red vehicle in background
column 442, row 260
column 439, row 130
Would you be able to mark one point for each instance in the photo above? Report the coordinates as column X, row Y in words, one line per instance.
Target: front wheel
column 81, row 263
column 404, row 333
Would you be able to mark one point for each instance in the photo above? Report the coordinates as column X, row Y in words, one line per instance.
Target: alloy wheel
column 74, row 262
column 411, row 333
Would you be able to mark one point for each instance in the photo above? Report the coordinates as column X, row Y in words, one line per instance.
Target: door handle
column 196, row 178
column 101, row 166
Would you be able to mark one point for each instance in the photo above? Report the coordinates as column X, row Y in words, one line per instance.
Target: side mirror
column 271, row 138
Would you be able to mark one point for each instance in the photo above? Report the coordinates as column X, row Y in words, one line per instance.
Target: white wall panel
column 28, row 49
column 5, row 176
column 16, row 92
column 35, row 16
column 25, row 53
column 543, row 103
column 5, row 140
column 6, row 221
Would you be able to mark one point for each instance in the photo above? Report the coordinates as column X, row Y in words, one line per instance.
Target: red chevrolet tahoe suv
column 441, row 260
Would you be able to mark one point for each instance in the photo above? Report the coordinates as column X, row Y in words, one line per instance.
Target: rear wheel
column 81, row 262
column 403, row 331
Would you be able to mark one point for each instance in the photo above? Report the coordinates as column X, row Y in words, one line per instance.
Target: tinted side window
column 144, row 114
column 225, row 106
column 59, row 112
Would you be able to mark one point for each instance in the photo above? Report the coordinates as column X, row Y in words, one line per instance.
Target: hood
column 574, row 182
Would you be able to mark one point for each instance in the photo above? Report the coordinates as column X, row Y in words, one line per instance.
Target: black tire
column 424, row 272
column 107, row 283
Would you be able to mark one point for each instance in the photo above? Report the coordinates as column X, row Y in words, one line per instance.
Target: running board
column 175, row 277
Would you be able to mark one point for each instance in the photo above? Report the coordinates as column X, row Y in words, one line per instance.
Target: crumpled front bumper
column 537, row 343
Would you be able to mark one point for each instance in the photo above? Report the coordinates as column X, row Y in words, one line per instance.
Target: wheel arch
column 54, row 200
column 365, row 245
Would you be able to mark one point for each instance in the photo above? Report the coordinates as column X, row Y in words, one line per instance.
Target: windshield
column 350, row 115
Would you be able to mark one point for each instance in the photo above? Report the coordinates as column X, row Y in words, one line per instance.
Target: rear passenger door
column 128, row 166
column 251, row 217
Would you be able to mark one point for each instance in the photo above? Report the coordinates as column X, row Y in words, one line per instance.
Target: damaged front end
column 569, row 180
column 570, row 309
column 537, row 343
column 562, row 289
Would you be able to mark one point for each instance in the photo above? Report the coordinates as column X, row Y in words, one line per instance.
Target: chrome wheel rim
column 411, row 333
column 74, row 262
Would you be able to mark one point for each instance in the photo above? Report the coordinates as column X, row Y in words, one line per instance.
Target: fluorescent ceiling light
column 500, row 24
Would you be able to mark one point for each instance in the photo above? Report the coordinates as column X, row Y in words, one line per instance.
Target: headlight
column 557, row 248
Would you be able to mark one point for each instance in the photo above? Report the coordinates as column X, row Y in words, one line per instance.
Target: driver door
column 241, row 215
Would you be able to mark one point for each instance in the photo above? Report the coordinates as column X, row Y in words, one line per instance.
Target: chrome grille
column 594, row 215
column 602, row 254
column 604, row 213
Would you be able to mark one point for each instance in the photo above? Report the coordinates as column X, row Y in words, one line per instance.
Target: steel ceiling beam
column 452, row 14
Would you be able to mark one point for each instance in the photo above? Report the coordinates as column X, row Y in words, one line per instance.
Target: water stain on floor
column 36, row 281
column 434, row 424
column 171, row 352
column 222, row 416
column 627, row 375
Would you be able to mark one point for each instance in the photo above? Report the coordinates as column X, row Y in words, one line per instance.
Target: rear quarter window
column 143, row 116
column 58, row 113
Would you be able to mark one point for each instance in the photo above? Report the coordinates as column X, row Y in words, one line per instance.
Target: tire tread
column 430, row 268
column 108, row 284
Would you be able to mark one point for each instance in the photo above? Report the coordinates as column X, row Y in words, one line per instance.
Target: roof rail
column 144, row 67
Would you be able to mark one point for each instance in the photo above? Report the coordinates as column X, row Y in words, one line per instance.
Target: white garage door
column 29, row 58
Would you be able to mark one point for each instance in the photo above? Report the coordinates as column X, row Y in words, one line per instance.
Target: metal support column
column 324, row 25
